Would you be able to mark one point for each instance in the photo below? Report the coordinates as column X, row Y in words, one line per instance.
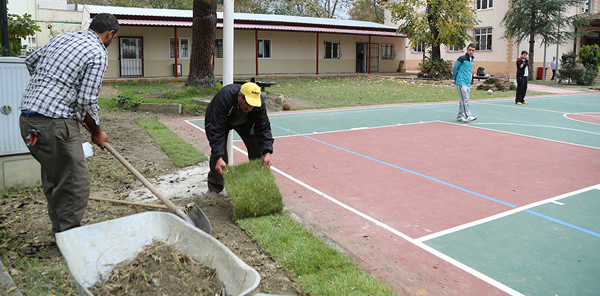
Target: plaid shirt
column 66, row 75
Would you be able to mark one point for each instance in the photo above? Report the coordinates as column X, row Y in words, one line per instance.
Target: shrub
column 571, row 69
column 252, row 190
column 438, row 69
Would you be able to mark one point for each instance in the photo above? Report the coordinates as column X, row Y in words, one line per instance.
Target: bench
column 479, row 77
column 261, row 84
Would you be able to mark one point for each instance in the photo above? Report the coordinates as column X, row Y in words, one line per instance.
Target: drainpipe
column 256, row 51
column 4, row 28
column 228, row 58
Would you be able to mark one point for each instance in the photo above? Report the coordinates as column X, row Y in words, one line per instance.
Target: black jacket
column 222, row 115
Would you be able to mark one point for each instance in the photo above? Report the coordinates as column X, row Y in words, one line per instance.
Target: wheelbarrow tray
column 93, row 251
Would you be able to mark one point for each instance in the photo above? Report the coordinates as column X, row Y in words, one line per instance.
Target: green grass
column 253, row 190
column 181, row 153
column 326, row 92
column 317, row 267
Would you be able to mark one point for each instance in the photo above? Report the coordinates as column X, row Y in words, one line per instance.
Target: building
column 498, row 55
column 150, row 41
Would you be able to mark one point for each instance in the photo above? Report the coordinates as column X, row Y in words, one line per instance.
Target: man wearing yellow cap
column 240, row 108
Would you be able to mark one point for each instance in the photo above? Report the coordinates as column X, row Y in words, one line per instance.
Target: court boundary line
column 418, row 244
column 524, row 208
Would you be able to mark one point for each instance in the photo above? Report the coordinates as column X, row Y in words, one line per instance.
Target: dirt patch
column 160, row 269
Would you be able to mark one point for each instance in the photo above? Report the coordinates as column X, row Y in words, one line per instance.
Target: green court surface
column 532, row 255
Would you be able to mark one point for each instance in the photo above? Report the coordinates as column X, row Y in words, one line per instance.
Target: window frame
column 488, row 38
column 387, row 51
column 260, row 48
column 334, row 52
column 454, row 48
column 417, row 48
column 180, row 48
column 489, row 4
column 218, row 48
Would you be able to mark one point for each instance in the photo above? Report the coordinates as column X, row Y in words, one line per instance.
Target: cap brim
column 253, row 100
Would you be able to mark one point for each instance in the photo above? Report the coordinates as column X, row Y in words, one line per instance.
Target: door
column 373, row 65
column 361, row 54
column 131, row 56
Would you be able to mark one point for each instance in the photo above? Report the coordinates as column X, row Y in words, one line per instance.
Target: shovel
column 190, row 213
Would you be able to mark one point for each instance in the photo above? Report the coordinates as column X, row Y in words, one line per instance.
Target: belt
column 33, row 115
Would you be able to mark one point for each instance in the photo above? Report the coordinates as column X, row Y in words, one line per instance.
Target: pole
column 557, row 44
column 228, row 58
column 4, row 28
column 544, row 64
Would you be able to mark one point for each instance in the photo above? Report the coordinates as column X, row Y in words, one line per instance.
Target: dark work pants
column 553, row 74
column 65, row 175
column 521, row 89
column 215, row 180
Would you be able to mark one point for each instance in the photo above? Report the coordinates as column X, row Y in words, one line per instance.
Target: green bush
column 589, row 55
column 571, row 70
column 437, row 69
column 252, row 190
column 589, row 75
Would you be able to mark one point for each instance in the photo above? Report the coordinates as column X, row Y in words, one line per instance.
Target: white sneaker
column 460, row 119
column 470, row 118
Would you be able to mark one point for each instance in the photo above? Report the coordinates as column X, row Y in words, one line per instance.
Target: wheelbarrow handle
column 142, row 179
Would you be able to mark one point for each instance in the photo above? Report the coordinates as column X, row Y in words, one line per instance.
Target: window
column 387, row 51
column 219, row 48
column 264, row 48
column 454, row 48
column 183, row 48
column 419, row 47
column 485, row 4
column 585, row 6
column 332, row 49
column 483, row 39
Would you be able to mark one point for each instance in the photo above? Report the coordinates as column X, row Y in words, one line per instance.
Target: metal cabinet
column 13, row 81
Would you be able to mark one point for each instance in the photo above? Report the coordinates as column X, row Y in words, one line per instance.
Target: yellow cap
column 251, row 91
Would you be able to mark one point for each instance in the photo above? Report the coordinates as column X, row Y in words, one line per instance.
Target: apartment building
column 498, row 55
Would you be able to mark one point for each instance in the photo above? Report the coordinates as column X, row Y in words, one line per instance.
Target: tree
column 204, row 32
column 367, row 10
column 19, row 27
column 310, row 8
column 544, row 20
column 434, row 22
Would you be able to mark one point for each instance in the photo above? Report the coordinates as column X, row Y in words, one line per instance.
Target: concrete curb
column 7, row 285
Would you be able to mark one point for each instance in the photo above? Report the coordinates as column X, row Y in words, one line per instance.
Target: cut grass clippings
column 317, row 267
column 252, row 190
column 178, row 150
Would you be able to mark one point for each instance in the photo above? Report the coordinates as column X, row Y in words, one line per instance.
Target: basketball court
column 507, row 204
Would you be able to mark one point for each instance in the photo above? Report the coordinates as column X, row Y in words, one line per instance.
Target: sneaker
column 519, row 103
column 470, row 118
column 525, row 102
column 461, row 119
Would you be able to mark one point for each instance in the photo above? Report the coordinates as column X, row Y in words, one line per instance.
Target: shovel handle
column 125, row 202
column 142, row 179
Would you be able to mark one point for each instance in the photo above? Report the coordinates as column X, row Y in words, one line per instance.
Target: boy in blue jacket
column 461, row 72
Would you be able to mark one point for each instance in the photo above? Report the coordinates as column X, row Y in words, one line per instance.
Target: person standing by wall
column 360, row 59
column 461, row 73
column 522, row 74
column 66, row 75
column 554, row 65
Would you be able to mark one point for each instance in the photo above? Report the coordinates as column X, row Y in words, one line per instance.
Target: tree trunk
column 531, row 48
column 436, row 54
column 204, row 31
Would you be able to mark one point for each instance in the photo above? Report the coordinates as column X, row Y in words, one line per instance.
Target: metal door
column 373, row 58
column 131, row 56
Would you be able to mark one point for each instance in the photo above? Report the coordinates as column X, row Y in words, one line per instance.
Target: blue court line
column 442, row 182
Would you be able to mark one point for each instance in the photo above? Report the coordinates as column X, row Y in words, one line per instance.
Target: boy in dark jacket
column 240, row 108
column 522, row 74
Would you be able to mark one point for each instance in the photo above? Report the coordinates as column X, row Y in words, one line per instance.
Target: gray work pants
column 65, row 175
column 464, row 92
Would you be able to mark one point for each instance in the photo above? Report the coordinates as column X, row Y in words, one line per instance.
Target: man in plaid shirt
column 66, row 75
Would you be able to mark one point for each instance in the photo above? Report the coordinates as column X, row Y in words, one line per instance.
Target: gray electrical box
column 13, row 81
column 17, row 166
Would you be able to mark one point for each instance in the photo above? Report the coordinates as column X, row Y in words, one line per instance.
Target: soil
column 160, row 269
column 27, row 229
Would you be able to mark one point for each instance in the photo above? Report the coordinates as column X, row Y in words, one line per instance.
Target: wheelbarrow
column 93, row 251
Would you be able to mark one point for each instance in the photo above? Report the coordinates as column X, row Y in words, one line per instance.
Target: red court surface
column 585, row 117
column 374, row 192
column 475, row 163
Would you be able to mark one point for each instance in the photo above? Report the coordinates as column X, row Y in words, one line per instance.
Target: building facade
column 497, row 55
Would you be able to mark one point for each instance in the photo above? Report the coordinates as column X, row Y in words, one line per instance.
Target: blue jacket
column 462, row 70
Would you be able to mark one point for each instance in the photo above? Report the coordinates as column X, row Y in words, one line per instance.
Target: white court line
column 419, row 244
column 504, row 214
column 558, row 203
